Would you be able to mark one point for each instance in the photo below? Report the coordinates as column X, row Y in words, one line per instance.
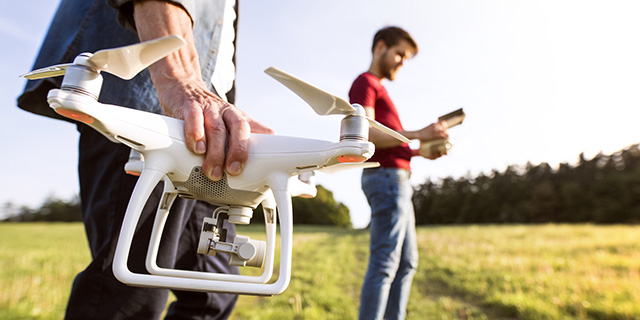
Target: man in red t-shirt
column 393, row 246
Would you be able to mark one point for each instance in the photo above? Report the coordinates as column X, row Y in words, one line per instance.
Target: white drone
column 273, row 173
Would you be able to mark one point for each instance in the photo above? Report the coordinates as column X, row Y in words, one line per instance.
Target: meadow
column 466, row 272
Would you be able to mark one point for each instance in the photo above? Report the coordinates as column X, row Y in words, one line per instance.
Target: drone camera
column 243, row 251
column 240, row 215
column 248, row 253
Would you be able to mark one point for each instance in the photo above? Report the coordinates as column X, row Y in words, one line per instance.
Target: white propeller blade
column 48, row 72
column 324, row 103
column 387, row 130
column 124, row 62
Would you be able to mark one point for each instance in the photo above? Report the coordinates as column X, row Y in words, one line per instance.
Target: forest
column 601, row 190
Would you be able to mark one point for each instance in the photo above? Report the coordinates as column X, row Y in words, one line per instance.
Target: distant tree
column 61, row 210
column 320, row 210
column 53, row 209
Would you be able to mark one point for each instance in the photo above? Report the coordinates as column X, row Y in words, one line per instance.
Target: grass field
column 465, row 272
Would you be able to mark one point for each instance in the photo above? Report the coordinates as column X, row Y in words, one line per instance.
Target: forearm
column 155, row 19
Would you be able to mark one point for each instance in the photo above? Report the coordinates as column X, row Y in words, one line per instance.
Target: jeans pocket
column 382, row 191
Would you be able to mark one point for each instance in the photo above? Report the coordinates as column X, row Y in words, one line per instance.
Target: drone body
column 270, row 176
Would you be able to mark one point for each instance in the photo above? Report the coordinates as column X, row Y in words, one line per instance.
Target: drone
column 278, row 168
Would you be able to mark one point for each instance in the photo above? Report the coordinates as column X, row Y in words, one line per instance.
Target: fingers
column 194, row 131
column 239, row 132
column 227, row 141
column 436, row 155
column 441, row 129
column 433, row 131
column 205, row 133
column 216, row 138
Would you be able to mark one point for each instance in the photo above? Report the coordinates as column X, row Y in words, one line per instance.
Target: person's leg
column 401, row 286
column 201, row 305
column 105, row 191
column 387, row 230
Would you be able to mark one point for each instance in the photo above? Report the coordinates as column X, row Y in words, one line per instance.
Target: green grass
column 465, row 272
column 38, row 263
column 535, row 272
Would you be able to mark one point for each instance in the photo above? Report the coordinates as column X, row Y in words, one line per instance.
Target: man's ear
column 379, row 47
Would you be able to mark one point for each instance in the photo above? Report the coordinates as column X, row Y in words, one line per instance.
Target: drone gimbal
column 270, row 176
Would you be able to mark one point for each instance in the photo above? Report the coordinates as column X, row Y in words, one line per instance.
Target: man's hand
column 209, row 122
column 434, row 131
column 437, row 130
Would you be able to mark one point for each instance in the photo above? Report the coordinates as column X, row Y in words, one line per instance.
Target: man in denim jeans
column 393, row 246
column 194, row 83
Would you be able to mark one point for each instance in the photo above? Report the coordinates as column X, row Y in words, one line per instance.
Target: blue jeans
column 394, row 251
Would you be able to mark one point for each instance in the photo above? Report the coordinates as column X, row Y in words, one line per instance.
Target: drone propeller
column 324, row 103
column 124, row 62
column 48, row 72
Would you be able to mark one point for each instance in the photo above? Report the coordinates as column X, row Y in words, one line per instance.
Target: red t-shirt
column 367, row 90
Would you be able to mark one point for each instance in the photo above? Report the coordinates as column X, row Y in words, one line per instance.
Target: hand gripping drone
column 272, row 175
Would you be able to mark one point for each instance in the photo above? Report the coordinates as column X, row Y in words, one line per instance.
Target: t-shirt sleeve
column 362, row 92
column 124, row 8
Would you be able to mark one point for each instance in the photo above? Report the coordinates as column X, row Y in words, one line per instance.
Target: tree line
column 605, row 189
column 321, row 210
column 53, row 209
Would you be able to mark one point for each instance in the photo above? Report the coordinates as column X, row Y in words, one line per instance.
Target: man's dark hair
column 391, row 36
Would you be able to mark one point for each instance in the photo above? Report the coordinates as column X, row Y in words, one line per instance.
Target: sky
column 540, row 81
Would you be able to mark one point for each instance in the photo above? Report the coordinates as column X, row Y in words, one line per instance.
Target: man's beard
column 387, row 71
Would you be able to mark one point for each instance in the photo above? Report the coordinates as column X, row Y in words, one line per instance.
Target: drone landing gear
column 243, row 250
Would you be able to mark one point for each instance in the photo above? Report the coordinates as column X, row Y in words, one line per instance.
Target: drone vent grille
column 200, row 187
